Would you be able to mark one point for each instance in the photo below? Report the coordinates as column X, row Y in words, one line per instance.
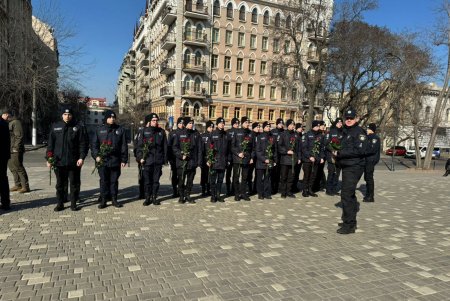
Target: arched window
column 188, row 30
column 199, row 5
column 277, row 20
column 255, row 15
column 288, row 22
column 186, row 109
column 312, row 51
column 242, row 13
column 230, row 11
column 198, row 58
column 266, row 18
column 196, row 110
column 427, row 113
column 311, row 72
column 216, row 8
column 189, row 5
column 199, row 32
column 187, row 57
column 197, row 85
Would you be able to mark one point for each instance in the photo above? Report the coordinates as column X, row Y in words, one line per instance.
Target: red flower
column 151, row 139
column 335, row 140
column 271, row 140
column 211, row 146
column 247, row 138
column 292, row 139
column 109, row 142
column 49, row 154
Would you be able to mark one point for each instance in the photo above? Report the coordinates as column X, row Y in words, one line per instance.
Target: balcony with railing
column 198, row 10
column 144, row 49
column 144, row 64
column 193, row 90
column 194, row 65
column 167, row 67
column 312, row 57
column 167, row 92
column 168, row 41
column 144, row 83
column 195, row 37
column 169, row 15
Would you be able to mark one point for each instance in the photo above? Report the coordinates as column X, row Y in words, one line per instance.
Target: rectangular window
column 228, row 37
column 250, row 90
column 238, row 89
column 276, row 45
column 294, row 94
column 283, row 114
column 263, row 69
column 213, row 87
column 225, row 112
column 292, row 115
column 237, row 112
column 274, row 69
column 253, row 41
column 241, row 39
column 212, row 111
column 215, row 35
column 283, row 93
column 271, row 115
column 251, row 66
column 262, row 91
column 260, row 114
column 226, row 88
column 214, row 61
column 273, row 92
column 249, row 113
column 265, row 43
column 287, row 47
column 240, row 65
column 227, row 63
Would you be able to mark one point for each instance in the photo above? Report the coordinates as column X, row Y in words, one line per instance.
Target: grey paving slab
column 260, row 250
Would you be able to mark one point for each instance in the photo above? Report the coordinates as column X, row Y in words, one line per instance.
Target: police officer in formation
column 242, row 152
column 335, row 134
column 289, row 153
column 219, row 149
column 140, row 167
column 371, row 160
column 204, row 177
column 266, row 156
column 229, row 171
column 251, row 181
column 152, row 153
column 110, row 152
column 171, row 155
column 276, row 132
column 68, row 145
column 297, row 167
column 312, row 156
column 187, row 148
column 352, row 160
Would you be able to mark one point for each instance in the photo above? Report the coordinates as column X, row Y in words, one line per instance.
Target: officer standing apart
column 266, row 152
column 334, row 170
column 187, row 149
column 312, row 156
column 218, row 147
column 110, row 152
column 351, row 158
column 204, row 178
column 4, row 157
column 276, row 133
column 242, row 150
column 373, row 156
column 152, row 153
column 171, row 156
column 15, row 163
column 66, row 150
column 229, row 171
column 290, row 154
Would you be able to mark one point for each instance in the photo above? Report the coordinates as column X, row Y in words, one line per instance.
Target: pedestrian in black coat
column 68, row 145
column 312, row 156
column 333, row 138
column 171, row 156
column 204, row 178
column 372, row 159
column 276, row 133
column 110, row 152
column 217, row 159
column 251, row 180
column 229, row 169
column 266, row 154
column 297, row 167
column 4, row 157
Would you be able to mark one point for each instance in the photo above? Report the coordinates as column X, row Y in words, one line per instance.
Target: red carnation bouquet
column 244, row 145
column 51, row 160
column 105, row 150
column 335, row 145
column 148, row 144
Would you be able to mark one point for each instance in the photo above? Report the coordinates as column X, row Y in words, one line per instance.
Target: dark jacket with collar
column 113, row 134
column 16, row 134
column 333, row 133
column 5, row 152
column 220, row 143
column 194, row 155
column 373, row 149
column 354, row 147
column 309, row 140
column 156, row 140
column 289, row 141
column 237, row 146
column 265, row 142
column 170, row 142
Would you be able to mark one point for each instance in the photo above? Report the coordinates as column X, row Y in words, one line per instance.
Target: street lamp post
column 33, row 113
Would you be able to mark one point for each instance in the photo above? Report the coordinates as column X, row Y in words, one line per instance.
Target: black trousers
column 251, row 179
column 217, row 181
column 350, row 205
column 309, row 175
column 109, row 181
column 297, row 169
column 4, row 184
column 174, row 172
column 368, row 177
column 229, row 172
column 240, row 177
column 263, row 180
column 333, row 178
column 275, row 178
column 64, row 176
column 286, row 179
column 141, row 181
column 204, row 177
column 185, row 181
column 152, row 173
column 320, row 180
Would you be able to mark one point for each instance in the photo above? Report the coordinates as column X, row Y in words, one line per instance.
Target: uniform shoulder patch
column 362, row 137
column 374, row 141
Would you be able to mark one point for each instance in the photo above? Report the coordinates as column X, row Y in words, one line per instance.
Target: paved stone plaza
column 279, row 249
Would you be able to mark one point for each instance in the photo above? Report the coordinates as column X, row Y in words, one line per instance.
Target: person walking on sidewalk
column 15, row 163
column 4, row 157
column 68, row 145
column 110, row 152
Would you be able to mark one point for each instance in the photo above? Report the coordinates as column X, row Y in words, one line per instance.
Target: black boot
column 102, row 203
column 305, row 193
column 203, row 191
column 313, row 194
column 446, row 173
column 148, row 201
column 73, row 205
column 116, row 203
column 188, row 199
column 175, row 192
column 60, row 206
column 155, row 201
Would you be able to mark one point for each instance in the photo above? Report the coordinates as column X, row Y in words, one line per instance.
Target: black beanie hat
column 315, row 123
column 280, row 120
column 108, row 114
column 321, row 122
column 187, row 120
column 180, row 120
column 244, row 119
column 298, row 125
column 149, row 117
column 234, row 121
column 220, row 120
column 67, row 109
column 373, row 127
column 289, row 122
column 254, row 125
column 339, row 119
column 209, row 123
column 265, row 123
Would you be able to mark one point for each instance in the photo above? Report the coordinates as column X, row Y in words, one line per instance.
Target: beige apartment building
column 210, row 59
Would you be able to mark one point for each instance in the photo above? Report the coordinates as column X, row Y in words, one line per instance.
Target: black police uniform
column 229, row 169
column 297, row 167
column 68, row 142
column 220, row 143
column 156, row 140
column 288, row 141
column 172, row 160
column 334, row 169
column 351, row 158
column 140, row 166
column 241, row 166
column 187, row 143
column 204, row 177
column 312, row 146
column 4, row 157
column 372, row 159
column 251, row 179
column 266, row 149
column 320, row 180
column 110, row 168
column 276, row 133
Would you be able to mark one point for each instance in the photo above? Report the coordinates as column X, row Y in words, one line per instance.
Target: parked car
column 399, row 151
column 411, row 153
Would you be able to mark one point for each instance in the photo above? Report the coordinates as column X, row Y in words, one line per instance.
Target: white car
column 411, row 153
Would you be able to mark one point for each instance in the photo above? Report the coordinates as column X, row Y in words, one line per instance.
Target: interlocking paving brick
column 75, row 294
